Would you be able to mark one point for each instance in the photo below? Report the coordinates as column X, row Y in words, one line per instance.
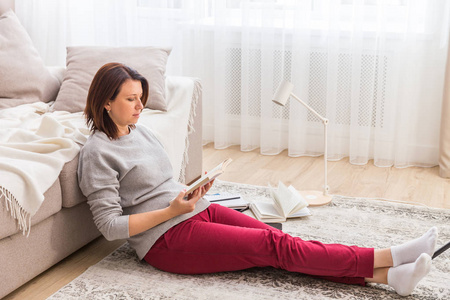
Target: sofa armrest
column 194, row 166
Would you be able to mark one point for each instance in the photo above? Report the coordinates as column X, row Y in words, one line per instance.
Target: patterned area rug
column 348, row 221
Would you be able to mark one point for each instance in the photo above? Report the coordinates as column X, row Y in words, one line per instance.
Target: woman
column 127, row 177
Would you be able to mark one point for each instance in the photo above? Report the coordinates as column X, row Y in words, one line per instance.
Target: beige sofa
column 63, row 223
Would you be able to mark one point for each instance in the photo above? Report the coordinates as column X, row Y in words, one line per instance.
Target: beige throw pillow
column 84, row 62
column 23, row 75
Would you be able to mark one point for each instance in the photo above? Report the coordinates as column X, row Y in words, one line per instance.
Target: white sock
column 404, row 278
column 410, row 251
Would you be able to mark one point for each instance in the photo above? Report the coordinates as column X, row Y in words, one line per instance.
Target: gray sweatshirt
column 126, row 176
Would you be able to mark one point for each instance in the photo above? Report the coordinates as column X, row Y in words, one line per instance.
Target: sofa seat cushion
column 51, row 205
column 71, row 193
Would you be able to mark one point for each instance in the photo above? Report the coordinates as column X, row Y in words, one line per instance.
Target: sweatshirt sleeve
column 99, row 183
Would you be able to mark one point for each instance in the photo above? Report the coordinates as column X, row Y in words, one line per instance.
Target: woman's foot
column 410, row 251
column 405, row 278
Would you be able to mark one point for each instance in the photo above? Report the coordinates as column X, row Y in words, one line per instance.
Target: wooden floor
column 413, row 185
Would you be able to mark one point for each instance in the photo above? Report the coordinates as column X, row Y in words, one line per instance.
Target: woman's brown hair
column 105, row 87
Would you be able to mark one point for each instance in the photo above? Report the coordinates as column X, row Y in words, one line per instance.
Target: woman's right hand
column 180, row 205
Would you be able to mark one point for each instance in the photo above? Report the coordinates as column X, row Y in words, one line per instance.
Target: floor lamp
column 314, row 198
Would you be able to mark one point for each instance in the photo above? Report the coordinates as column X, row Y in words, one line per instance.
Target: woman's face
column 126, row 108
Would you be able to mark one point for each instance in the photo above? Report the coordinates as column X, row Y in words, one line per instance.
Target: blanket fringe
column 196, row 94
column 22, row 217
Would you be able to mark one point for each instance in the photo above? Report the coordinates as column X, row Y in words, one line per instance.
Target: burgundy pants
column 221, row 239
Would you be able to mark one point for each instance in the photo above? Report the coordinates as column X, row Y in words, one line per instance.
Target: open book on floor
column 287, row 203
column 230, row 200
column 208, row 176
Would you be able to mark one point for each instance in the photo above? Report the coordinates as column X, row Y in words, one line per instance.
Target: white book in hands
column 209, row 176
column 287, row 203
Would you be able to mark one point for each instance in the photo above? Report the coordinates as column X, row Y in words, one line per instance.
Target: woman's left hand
column 203, row 189
column 207, row 187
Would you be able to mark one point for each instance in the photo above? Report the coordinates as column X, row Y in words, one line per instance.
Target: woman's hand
column 143, row 221
column 180, row 205
column 207, row 187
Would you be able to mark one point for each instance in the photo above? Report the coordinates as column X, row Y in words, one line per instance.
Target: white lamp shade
column 283, row 93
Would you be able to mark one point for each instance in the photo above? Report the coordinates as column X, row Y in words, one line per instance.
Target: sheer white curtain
column 55, row 24
column 375, row 69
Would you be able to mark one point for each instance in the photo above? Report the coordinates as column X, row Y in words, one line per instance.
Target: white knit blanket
column 35, row 143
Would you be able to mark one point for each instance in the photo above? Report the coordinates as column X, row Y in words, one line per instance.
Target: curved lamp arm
column 281, row 96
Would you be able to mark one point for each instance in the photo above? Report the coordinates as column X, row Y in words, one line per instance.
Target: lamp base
column 315, row 198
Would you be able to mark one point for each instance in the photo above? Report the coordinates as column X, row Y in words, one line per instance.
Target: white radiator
column 370, row 90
